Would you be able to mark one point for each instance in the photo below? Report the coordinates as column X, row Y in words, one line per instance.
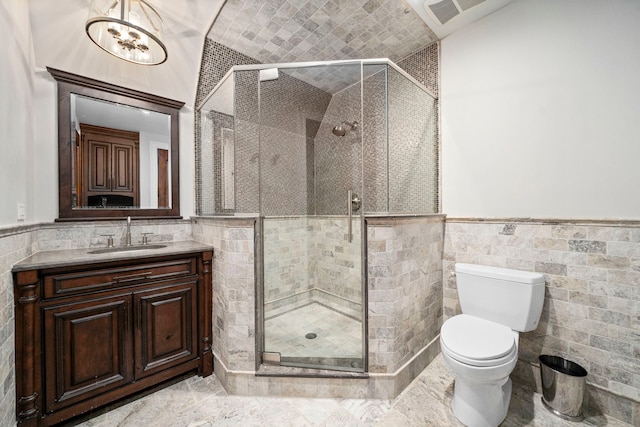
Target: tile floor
column 197, row 402
column 337, row 335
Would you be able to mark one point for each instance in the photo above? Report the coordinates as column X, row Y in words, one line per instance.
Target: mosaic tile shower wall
column 374, row 137
column 247, row 142
column 287, row 105
column 217, row 59
column 413, row 142
column 212, row 124
column 422, row 65
column 399, row 156
column 338, row 159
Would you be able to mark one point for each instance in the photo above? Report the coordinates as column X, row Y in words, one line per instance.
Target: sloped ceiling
column 60, row 41
column 285, row 31
column 270, row 31
column 275, row 31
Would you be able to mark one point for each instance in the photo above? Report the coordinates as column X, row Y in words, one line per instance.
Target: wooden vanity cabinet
column 89, row 335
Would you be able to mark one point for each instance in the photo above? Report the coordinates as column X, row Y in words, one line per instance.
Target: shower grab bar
column 349, row 213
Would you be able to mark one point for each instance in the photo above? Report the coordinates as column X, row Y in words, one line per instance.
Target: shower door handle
column 349, row 214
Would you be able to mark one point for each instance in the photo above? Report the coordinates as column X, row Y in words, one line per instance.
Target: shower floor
column 337, row 336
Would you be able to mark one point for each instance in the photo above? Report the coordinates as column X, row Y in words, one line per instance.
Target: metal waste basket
column 563, row 386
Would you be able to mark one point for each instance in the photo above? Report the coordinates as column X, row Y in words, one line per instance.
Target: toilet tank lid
column 500, row 273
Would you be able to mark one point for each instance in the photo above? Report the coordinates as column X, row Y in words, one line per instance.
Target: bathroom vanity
column 96, row 325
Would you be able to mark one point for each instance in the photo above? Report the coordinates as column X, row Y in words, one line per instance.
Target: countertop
column 65, row 257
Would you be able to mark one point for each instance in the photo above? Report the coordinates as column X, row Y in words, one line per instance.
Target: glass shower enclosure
column 312, row 149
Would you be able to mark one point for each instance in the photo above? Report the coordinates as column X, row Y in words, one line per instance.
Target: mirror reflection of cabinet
column 110, row 167
column 146, row 182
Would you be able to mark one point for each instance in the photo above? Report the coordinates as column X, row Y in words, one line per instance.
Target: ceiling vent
column 445, row 10
column 444, row 17
column 468, row 4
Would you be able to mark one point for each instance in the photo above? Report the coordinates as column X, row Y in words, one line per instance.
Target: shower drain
column 310, row 336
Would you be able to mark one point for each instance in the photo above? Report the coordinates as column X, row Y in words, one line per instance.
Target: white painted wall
column 33, row 41
column 541, row 112
column 17, row 166
column 187, row 162
column 45, row 116
column 148, row 151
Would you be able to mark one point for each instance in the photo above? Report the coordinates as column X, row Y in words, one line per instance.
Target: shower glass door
column 310, row 151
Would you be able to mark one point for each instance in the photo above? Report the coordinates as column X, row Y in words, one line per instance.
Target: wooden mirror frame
column 69, row 83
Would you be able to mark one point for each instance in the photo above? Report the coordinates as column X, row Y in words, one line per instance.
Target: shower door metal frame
column 285, row 65
column 263, row 356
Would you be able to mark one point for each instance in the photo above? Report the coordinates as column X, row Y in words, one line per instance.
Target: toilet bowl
column 480, row 346
column 481, row 354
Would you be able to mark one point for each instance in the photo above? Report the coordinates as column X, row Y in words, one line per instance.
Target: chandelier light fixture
column 128, row 29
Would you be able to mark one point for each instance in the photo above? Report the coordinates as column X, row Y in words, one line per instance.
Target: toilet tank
column 512, row 298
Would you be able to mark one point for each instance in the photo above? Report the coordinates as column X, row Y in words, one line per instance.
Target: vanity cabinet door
column 123, row 170
column 166, row 333
column 99, row 167
column 87, row 349
column 111, row 160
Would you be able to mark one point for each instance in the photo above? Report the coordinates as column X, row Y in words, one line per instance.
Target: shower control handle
column 355, row 202
column 353, row 205
column 349, row 214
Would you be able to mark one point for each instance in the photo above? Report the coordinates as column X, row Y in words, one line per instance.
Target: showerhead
column 341, row 129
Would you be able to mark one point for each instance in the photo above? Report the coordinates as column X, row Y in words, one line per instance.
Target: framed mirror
column 117, row 151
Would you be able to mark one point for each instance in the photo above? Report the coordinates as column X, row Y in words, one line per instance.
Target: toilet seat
column 477, row 342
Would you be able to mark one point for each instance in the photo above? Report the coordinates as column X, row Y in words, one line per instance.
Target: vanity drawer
column 63, row 284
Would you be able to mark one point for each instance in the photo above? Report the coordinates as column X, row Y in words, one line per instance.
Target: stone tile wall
column 404, row 287
column 309, row 259
column 287, row 265
column 405, row 309
column 234, row 337
column 337, row 262
column 319, row 30
column 591, row 313
column 90, row 234
column 16, row 243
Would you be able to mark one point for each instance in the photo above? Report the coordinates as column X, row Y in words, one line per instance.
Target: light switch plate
column 21, row 212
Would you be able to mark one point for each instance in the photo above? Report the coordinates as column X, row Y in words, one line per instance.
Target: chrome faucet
column 128, row 235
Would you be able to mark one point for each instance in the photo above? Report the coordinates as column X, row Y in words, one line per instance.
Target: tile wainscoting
column 404, row 307
column 16, row 243
column 591, row 313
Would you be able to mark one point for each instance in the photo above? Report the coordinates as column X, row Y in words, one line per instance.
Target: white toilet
column 480, row 346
